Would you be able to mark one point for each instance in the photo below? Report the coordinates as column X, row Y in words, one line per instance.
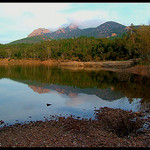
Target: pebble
column 55, row 135
column 146, row 126
column 134, row 120
column 140, row 130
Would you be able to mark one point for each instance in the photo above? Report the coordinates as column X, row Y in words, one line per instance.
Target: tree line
column 133, row 44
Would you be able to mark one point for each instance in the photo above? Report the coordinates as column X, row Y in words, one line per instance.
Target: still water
column 30, row 93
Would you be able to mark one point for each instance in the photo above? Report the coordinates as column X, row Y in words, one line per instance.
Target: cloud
column 90, row 18
column 22, row 18
column 34, row 14
column 91, row 23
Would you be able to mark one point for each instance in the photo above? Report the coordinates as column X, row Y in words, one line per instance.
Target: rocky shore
column 110, row 128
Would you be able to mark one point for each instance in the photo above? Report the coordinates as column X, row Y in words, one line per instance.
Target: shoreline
column 102, row 64
column 116, row 66
column 71, row 132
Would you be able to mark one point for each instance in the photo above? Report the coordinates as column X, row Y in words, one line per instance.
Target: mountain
column 32, row 39
column 105, row 30
column 39, row 31
column 110, row 29
column 63, row 33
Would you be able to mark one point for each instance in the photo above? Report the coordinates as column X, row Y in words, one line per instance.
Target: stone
column 140, row 131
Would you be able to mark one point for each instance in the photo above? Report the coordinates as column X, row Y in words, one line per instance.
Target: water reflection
column 106, row 94
column 25, row 92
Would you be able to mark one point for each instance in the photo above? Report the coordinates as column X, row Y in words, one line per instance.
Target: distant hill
column 110, row 29
column 106, row 30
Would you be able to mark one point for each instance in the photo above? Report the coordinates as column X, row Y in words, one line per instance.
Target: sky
column 18, row 20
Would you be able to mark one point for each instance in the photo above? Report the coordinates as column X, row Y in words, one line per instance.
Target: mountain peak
column 60, row 30
column 72, row 26
column 39, row 31
column 111, row 23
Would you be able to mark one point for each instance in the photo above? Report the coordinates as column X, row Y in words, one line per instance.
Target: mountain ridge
column 105, row 30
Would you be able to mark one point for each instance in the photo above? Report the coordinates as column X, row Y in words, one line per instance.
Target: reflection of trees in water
column 133, row 86
column 53, row 75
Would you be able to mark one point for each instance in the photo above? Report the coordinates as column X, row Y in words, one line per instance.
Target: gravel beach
column 106, row 130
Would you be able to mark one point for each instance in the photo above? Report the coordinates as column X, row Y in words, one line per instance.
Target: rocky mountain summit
column 107, row 29
column 39, row 31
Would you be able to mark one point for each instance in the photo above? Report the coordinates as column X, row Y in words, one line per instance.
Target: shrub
column 118, row 121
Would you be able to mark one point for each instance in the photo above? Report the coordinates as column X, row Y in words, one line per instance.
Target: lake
column 31, row 93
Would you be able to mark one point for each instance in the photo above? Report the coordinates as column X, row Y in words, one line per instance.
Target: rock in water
column 48, row 104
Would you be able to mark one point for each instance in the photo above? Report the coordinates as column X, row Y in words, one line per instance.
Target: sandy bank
column 107, row 64
column 119, row 66
column 25, row 62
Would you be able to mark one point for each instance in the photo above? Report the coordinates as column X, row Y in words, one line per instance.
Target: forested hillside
column 33, row 39
column 134, row 44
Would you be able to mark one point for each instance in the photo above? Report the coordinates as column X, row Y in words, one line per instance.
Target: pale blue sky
column 17, row 20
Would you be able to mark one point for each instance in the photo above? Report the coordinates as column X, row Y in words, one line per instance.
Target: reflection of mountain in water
column 40, row 90
column 98, row 83
column 106, row 94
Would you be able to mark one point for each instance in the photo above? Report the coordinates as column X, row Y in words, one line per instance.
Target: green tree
column 143, row 42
